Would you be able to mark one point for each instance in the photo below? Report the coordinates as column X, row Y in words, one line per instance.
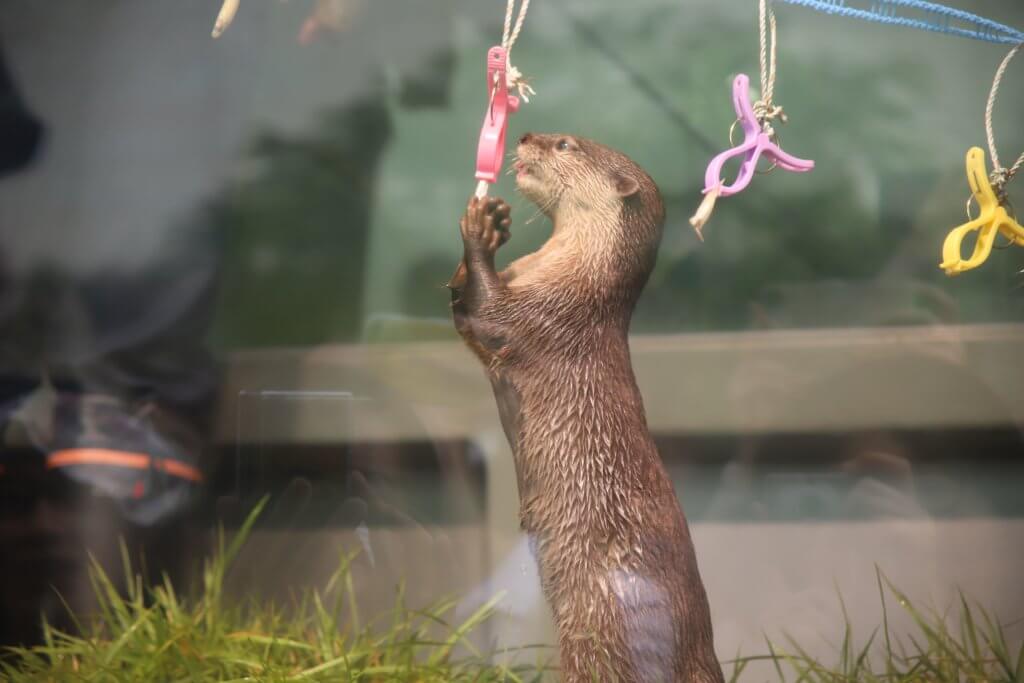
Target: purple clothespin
column 757, row 143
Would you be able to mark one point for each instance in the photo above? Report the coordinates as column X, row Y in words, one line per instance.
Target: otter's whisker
column 525, row 200
column 542, row 210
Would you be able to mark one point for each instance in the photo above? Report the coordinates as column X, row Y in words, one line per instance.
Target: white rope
column 765, row 108
column 1000, row 176
column 766, row 19
column 510, row 34
column 514, row 79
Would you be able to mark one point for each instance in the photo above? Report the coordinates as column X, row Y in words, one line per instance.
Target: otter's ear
column 624, row 185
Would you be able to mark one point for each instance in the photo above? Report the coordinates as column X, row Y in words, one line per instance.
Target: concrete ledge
column 795, row 381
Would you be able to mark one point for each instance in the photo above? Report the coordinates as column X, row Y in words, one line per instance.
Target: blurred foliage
column 964, row 643
column 296, row 232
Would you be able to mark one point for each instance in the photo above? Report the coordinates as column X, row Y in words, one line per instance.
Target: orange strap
column 136, row 461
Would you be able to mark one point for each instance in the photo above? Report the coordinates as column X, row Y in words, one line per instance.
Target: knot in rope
column 999, row 178
column 766, row 113
column 514, row 80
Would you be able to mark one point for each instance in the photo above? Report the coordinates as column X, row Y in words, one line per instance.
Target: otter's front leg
column 458, row 280
column 477, row 294
column 484, row 228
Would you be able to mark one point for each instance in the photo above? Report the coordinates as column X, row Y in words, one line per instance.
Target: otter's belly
column 631, row 606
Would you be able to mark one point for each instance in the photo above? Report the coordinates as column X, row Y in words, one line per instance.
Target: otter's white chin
column 531, row 187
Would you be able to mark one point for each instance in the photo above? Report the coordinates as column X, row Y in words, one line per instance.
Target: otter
column 614, row 554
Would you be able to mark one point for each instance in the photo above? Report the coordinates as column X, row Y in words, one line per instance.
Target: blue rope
column 928, row 17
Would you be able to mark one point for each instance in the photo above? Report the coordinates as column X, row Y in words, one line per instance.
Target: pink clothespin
column 757, row 143
column 491, row 149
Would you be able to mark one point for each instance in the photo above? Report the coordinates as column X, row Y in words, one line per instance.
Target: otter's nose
column 526, row 138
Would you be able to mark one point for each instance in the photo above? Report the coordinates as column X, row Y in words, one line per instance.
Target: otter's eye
column 563, row 145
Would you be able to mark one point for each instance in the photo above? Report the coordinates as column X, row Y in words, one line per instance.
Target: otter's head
column 563, row 173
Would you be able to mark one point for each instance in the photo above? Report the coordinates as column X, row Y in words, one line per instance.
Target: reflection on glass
column 222, row 269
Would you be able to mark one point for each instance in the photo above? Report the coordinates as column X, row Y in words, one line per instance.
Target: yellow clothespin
column 993, row 219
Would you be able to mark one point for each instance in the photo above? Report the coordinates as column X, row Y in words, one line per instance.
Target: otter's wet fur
column 614, row 553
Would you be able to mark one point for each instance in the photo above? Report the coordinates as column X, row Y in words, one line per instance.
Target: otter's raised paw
column 485, row 225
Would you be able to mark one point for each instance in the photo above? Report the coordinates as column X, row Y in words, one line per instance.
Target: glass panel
column 222, row 278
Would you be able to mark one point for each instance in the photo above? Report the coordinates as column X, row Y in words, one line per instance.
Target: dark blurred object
column 105, row 393
column 297, row 231
column 47, row 521
column 142, row 457
column 21, row 133
column 429, row 85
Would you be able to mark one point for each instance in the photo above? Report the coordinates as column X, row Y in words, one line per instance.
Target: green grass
column 152, row 634
column 966, row 644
